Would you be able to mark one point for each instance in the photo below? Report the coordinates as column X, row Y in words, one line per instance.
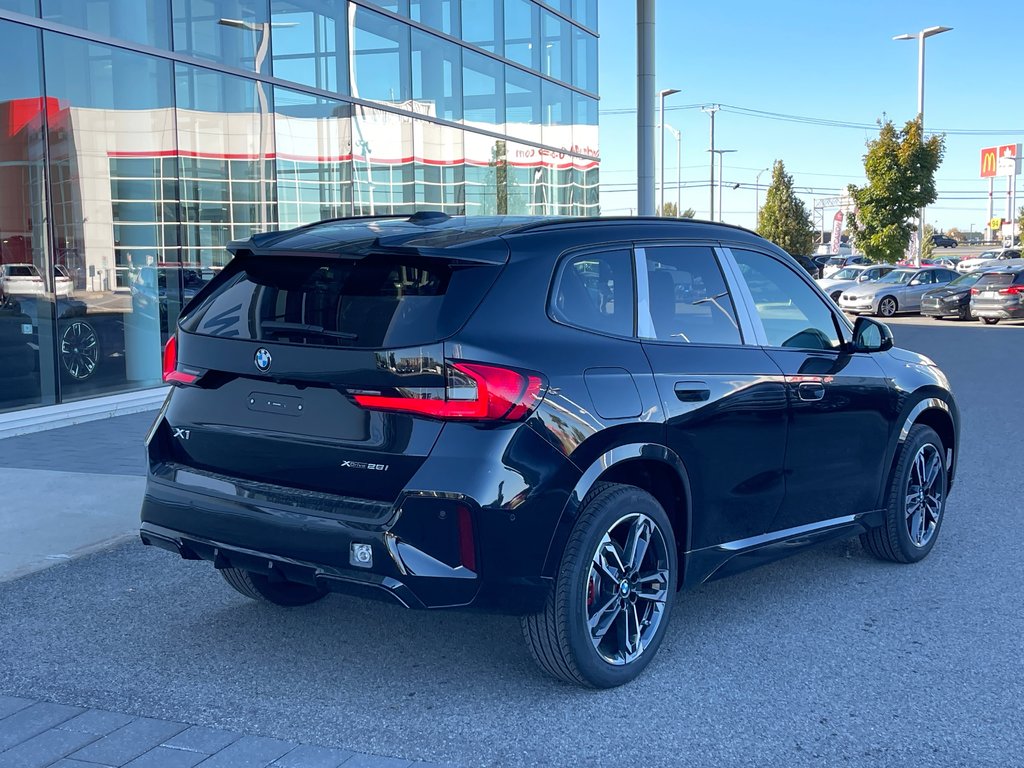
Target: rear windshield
column 373, row 302
column 995, row 280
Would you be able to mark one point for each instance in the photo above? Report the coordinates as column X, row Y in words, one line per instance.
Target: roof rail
column 576, row 220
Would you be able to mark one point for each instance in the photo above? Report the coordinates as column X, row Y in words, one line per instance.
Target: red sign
column 989, row 161
column 1008, row 150
column 837, row 232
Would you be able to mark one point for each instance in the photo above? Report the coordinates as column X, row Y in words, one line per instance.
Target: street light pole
column 719, row 152
column 661, row 181
column 921, row 36
column 757, row 199
column 679, row 154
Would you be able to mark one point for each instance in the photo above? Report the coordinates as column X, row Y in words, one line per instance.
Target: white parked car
column 849, row 277
column 27, row 280
column 836, row 263
column 1004, row 257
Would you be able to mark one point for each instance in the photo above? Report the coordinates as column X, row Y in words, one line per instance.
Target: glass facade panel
column 436, row 76
column 117, row 124
column 28, row 7
column 28, row 280
column 522, row 104
column 141, row 21
column 482, row 22
column 226, row 143
column 444, row 15
column 124, row 174
column 232, row 32
column 310, row 42
column 557, row 114
column 585, row 12
column 522, row 32
column 380, row 57
column 584, row 60
column 556, row 58
column 483, row 83
column 314, row 158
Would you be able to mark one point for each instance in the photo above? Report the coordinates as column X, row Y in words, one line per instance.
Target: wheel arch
column 648, row 466
column 931, row 409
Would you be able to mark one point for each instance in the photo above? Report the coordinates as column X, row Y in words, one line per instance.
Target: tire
column 836, row 295
column 256, row 586
column 893, row 540
column 990, row 320
column 560, row 638
column 887, row 307
column 965, row 314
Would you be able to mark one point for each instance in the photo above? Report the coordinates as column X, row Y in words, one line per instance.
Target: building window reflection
column 147, row 166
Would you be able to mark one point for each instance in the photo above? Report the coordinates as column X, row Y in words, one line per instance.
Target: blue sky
column 833, row 60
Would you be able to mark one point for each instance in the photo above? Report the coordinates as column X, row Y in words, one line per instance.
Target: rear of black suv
column 326, row 433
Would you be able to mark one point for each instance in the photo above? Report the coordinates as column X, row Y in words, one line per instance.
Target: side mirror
column 862, row 278
column 871, row 336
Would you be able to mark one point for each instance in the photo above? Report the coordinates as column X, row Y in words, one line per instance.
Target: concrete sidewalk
column 68, row 491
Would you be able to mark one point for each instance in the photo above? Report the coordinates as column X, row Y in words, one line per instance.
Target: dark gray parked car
column 999, row 295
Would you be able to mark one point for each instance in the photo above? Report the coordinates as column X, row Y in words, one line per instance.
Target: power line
column 821, row 121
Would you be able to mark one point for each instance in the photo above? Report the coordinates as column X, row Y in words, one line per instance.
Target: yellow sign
column 995, row 224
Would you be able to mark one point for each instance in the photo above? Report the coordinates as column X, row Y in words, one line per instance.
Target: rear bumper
column 1003, row 313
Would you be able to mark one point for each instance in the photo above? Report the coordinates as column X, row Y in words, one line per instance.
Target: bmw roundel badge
column 263, row 359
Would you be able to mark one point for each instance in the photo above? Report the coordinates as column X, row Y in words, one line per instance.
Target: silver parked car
column 998, row 295
column 850, row 277
column 899, row 291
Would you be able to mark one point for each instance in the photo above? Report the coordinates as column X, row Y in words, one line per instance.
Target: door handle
column 810, row 391
column 692, row 391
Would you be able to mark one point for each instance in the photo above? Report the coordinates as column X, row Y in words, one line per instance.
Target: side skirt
column 732, row 557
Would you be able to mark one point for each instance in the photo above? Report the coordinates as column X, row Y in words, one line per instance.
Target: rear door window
column 994, row 281
column 595, row 291
column 373, row 302
column 687, row 297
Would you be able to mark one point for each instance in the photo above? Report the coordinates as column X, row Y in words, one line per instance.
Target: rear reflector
column 171, row 373
column 474, row 392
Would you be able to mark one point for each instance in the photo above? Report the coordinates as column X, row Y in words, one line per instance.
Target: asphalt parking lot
column 828, row 658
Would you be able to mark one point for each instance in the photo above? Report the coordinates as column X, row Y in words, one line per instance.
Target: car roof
column 430, row 232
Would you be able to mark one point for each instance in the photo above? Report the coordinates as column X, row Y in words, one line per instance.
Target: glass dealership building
column 138, row 137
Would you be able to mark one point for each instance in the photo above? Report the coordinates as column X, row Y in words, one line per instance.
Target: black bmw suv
column 567, row 419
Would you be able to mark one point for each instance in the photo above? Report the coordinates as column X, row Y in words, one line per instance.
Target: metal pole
column 711, row 189
column 661, row 176
column 645, row 106
column 720, row 155
column 679, row 167
column 991, row 209
column 920, row 115
column 757, row 199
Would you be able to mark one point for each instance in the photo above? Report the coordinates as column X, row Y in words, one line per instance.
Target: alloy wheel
column 887, row 307
column 926, row 489
column 626, row 589
column 79, row 350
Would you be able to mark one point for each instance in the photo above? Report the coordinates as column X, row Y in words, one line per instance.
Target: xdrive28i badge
column 263, row 359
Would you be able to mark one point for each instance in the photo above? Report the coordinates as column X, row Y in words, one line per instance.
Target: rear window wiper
column 306, row 329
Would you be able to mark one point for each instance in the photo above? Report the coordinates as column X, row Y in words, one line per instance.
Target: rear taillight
column 1012, row 290
column 474, row 392
column 171, row 373
column 975, row 291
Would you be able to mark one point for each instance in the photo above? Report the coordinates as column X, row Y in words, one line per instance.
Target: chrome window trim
column 751, row 330
column 644, row 323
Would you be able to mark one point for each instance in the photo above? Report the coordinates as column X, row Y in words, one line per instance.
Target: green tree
column 900, row 166
column 669, row 210
column 689, row 213
column 928, row 247
column 784, row 218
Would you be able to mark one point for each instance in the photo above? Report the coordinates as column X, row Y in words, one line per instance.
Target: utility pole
column 645, row 106
column 711, row 153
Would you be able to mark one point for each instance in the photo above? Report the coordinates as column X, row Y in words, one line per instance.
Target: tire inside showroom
column 608, row 611
column 256, row 586
column 915, row 508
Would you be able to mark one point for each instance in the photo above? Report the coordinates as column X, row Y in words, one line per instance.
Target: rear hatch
column 998, row 290
column 289, row 366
